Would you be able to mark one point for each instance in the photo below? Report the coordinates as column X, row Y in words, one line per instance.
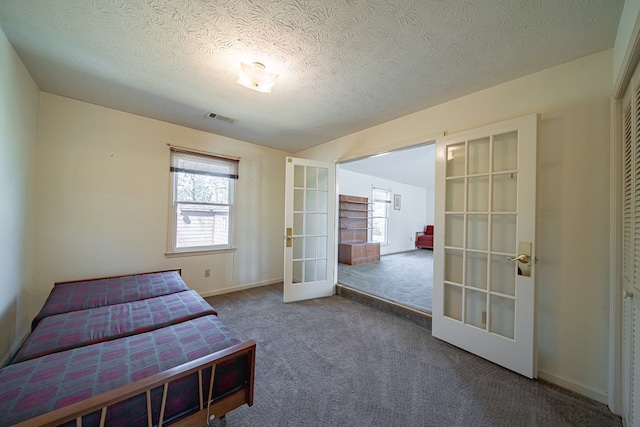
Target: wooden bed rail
column 201, row 417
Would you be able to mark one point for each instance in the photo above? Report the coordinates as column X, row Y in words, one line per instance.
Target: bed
column 77, row 295
column 112, row 358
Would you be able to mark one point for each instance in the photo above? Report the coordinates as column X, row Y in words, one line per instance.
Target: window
column 202, row 194
column 381, row 200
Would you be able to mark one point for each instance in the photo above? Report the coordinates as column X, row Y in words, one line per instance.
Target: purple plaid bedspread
column 73, row 296
column 46, row 383
column 83, row 327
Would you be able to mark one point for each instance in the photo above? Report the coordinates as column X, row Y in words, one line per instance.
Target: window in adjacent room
column 381, row 200
column 202, row 195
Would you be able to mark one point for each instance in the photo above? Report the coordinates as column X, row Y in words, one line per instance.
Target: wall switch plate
column 207, row 273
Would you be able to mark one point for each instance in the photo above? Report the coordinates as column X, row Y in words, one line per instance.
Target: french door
column 484, row 258
column 309, row 241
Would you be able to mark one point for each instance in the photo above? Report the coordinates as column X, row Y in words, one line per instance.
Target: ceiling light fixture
column 255, row 76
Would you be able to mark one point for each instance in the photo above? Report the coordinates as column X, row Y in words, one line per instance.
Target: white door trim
column 615, row 259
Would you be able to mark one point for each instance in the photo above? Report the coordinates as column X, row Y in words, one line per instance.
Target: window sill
column 197, row 253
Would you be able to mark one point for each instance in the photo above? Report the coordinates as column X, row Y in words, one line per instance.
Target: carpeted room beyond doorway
column 405, row 278
column 334, row 362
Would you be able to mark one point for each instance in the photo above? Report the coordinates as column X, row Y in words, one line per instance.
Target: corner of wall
column 19, row 96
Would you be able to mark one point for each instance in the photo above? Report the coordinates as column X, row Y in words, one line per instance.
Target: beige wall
column 572, row 201
column 18, row 131
column 103, row 190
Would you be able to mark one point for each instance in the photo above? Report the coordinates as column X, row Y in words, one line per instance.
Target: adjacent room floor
column 405, row 278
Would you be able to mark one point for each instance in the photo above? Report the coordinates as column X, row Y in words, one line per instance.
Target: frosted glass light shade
column 255, row 76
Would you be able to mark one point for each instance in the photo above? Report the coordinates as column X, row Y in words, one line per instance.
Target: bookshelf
column 354, row 217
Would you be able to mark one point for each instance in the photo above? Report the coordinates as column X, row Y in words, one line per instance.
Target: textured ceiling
column 345, row 65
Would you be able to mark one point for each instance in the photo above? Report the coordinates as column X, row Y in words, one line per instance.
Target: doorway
column 404, row 274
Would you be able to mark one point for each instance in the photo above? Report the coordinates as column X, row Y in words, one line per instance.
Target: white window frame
column 387, row 204
column 198, row 163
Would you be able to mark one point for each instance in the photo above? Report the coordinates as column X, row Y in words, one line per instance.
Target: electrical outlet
column 207, row 273
column 410, row 239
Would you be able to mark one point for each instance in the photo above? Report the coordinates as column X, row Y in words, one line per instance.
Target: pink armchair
column 424, row 239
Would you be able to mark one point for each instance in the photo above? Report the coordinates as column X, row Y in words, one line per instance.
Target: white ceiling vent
column 222, row 118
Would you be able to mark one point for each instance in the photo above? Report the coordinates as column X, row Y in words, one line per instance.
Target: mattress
column 40, row 385
column 84, row 327
column 80, row 295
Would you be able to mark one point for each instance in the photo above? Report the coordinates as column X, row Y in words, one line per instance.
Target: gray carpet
column 334, row 362
column 405, row 278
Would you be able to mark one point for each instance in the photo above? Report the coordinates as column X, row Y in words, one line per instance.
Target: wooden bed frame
column 208, row 410
column 242, row 355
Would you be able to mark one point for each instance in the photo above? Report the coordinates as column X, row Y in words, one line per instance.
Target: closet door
column 631, row 255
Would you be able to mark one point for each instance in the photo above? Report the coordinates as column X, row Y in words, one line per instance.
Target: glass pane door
column 483, row 295
column 481, row 216
column 310, row 223
column 309, row 232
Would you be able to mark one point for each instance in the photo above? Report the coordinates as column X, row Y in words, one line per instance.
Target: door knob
column 289, row 237
column 522, row 258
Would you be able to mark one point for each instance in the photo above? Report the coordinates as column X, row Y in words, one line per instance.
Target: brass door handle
column 289, row 237
column 522, row 258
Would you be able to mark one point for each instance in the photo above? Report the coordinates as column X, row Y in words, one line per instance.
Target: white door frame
column 615, row 260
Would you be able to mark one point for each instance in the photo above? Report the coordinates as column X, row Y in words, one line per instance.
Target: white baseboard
column 591, row 393
column 239, row 287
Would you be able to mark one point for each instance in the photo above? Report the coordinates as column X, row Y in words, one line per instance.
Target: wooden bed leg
column 221, row 419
